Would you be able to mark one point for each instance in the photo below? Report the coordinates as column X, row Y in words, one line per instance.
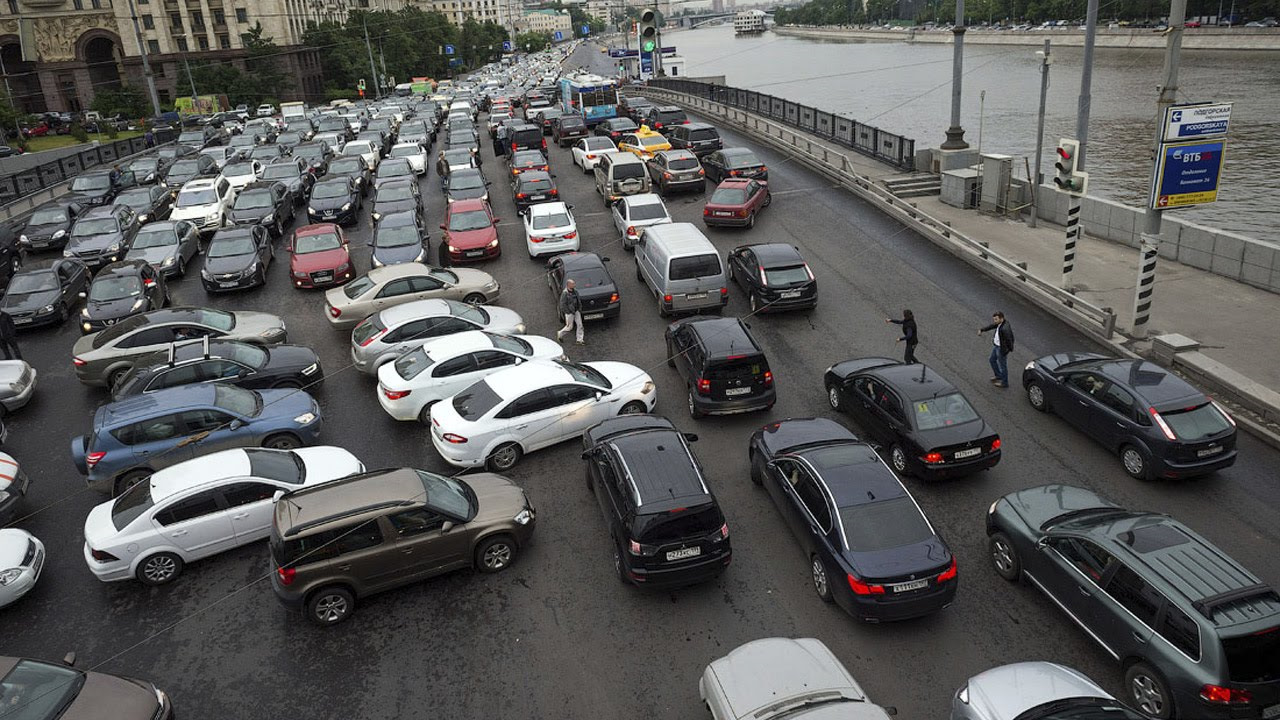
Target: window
column 197, row 20
column 890, row 404
column 242, row 15
column 78, row 4
column 565, row 394
column 530, row 403
column 1088, row 383
column 456, row 366
column 175, row 20
column 182, row 44
column 148, row 22
column 202, row 42
column 1181, row 631
column 224, row 42
column 361, row 537
column 415, row 522
column 13, row 6
column 1084, row 555
column 150, row 336
column 219, row 18
column 1119, row 400
column 178, row 376
column 400, row 286
column 204, row 420
column 811, row 495
column 246, row 493
column 196, row 506
column 489, row 359
column 424, row 284
column 1135, row 594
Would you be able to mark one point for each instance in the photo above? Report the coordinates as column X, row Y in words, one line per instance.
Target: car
column 101, row 235
column 443, row 366
column 399, row 237
column 48, row 690
column 664, row 523
column 1035, row 691
column 221, row 154
column 265, row 110
column 1158, row 424
column 148, row 169
column 353, row 167
column 413, row 153
column 237, row 258
column 166, row 244
column 523, row 136
column 534, row 405
column 121, row 290
column 775, row 678
column 289, row 140
column 296, row 175
column 723, row 368
column 243, row 172
column 549, row 228
column 451, row 160
column 17, row 385
column 252, row 367
column 394, row 169
column 735, row 203
column 662, row 117
column 340, row 542
column 48, row 225
column 319, row 256
column 533, row 187
column 45, row 296
column 522, row 161
column 597, row 291
column 382, row 336
column 204, row 203
column 699, row 138
column 22, row 558
column 368, row 151
column 735, row 163
column 470, row 232
column 615, row 128
column 392, row 285
column 587, row 151
column 201, row 507
column 775, row 277
column 315, row 156
column 335, row 199
column 100, row 187
column 148, row 202
column 190, row 168
column 635, row 108
column 633, row 213
column 170, row 153
column 466, row 184
column 643, row 143
column 266, row 203
column 566, row 129
column 546, row 117
column 676, row 170
column 927, row 424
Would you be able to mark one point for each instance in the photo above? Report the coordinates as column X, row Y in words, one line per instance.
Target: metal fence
column 884, row 146
column 33, row 179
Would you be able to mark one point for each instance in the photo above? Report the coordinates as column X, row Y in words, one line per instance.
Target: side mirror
column 235, row 424
column 69, row 659
column 83, row 294
column 1042, row 543
column 604, row 259
column 446, row 527
column 275, row 497
column 442, row 227
column 889, row 710
column 690, row 437
column 599, row 395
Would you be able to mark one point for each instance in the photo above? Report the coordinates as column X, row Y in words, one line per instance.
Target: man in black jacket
column 571, row 309
column 1002, row 345
column 9, row 337
column 909, row 335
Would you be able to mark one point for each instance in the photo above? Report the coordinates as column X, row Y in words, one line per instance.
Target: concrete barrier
column 1236, row 38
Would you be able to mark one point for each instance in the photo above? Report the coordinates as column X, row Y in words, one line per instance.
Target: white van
column 682, row 268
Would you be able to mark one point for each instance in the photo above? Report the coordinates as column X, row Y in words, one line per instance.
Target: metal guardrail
column 882, row 145
column 55, row 172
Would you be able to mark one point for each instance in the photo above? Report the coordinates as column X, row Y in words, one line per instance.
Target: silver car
column 381, row 337
column 1036, row 691
column 780, row 677
column 17, row 384
column 633, row 213
column 168, row 245
column 399, row 283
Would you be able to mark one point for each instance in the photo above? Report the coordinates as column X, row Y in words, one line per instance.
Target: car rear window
column 626, row 170
column 737, row 367
column 676, row 526
column 367, row 329
column 281, row 465
column 694, row 266
column 1255, row 657
column 703, row 134
column 528, row 135
column 1197, row 423
column 684, row 164
column 671, row 116
column 883, row 525
column 743, row 160
column 944, row 411
column 130, row 506
column 475, row 401
column 648, row 211
column 728, row 196
column 325, row 545
column 783, row 276
column 411, row 364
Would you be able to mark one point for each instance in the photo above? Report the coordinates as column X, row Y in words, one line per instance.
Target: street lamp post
column 955, row 133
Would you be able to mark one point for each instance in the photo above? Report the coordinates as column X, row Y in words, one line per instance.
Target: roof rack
column 346, row 514
column 1206, row 606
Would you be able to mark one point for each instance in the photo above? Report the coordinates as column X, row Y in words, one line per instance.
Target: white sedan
column 414, row 153
column 587, row 151
column 240, row 173
column 21, row 559
column 364, row 149
column 534, row 405
column 200, row 508
column 633, row 213
column 408, row 387
column 549, row 228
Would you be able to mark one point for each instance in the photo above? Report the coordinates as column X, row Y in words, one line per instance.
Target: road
column 558, row 635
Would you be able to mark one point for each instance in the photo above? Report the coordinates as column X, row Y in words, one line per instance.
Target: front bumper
column 17, row 491
column 21, row 399
column 322, row 278
column 608, row 312
column 95, row 259
column 14, row 591
column 341, row 217
column 219, row 284
column 36, row 319
column 466, row 255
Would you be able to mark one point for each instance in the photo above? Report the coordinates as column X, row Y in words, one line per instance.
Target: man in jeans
column 1002, row 345
column 571, row 309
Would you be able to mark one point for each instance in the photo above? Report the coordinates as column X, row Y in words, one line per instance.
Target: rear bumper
column 708, row 569
column 612, row 310
column 1172, row 470
column 958, row 469
column 772, row 305
column 735, row 406
column 885, row 608
column 713, row 221
column 106, row 572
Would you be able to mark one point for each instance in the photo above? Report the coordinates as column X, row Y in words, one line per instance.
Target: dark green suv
column 1198, row 635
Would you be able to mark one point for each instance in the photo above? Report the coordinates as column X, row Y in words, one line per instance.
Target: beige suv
column 363, row 534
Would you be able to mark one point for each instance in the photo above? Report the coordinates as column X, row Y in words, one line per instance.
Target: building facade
column 546, row 21
column 502, row 12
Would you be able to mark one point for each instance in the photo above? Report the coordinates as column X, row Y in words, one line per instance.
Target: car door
column 1116, row 417
column 1072, row 571
column 889, row 418
column 154, row 441
column 743, row 265
column 423, row 544
column 188, row 240
column 1083, row 392
column 582, row 406
column 198, row 524
column 786, row 474
column 621, row 216
column 363, row 556
column 1126, row 625
column 755, row 196
column 423, row 287
column 393, row 293
column 714, row 165
column 858, row 394
column 531, row 419
column 263, row 240
column 453, row 375
column 250, row 507
column 212, row 430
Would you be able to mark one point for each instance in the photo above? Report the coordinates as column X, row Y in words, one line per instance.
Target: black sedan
column 253, row 367
column 50, row 224
column 533, row 187
column 468, row 184
column 596, row 288
column 120, row 290
column 1157, row 423
column 734, row 163
column 316, row 156
column 931, row 430
column 149, row 170
column 148, row 202
column 190, row 168
column 614, row 128
column 870, row 548
column 337, row 199
column 45, row 296
column 399, row 237
column 237, row 258
column 264, row 203
column 102, row 235
column 395, row 197
column 295, row 175
column 774, row 275
column 354, row 167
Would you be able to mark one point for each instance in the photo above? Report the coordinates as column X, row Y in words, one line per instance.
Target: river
column 906, row 89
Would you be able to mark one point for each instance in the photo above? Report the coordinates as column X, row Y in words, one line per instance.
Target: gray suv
column 1198, row 635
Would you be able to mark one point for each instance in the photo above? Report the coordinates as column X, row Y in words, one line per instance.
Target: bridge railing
column 58, row 170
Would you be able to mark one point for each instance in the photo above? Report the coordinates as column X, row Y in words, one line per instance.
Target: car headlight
column 168, row 261
column 311, row 210
column 492, row 284
column 346, row 207
column 24, row 239
column 524, row 517
column 963, row 695
column 268, row 219
column 113, row 247
column 59, row 234
column 204, row 273
column 311, row 369
column 16, row 388
column 519, row 328
column 376, row 216
column 12, row 574
column 1030, row 365
column 647, row 388
column 272, row 332
column 299, row 274
column 305, row 418
column 991, row 510
column 420, row 256
column 142, row 218
column 84, row 312
column 68, row 253
column 46, row 309
column 211, row 217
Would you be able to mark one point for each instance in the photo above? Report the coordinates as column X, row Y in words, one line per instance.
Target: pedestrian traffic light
column 1068, row 178
column 648, row 30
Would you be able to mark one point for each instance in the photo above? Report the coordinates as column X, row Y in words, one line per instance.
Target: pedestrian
column 909, row 335
column 1002, row 345
column 571, row 309
column 150, row 138
column 116, row 174
column 9, row 337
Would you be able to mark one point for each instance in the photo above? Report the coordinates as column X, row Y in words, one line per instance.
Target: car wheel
column 898, row 459
column 662, row 311
column 115, row 376
column 282, row 441
column 330, row 606
column 755, row 303
column 1004, row 557
column 495, row 554
column 14, row 266
column 1135, row 462
column 1148, row 691
column 288, row 385
column 618, row 567
column 820, row 584
column 1035, row 396
column 182, row 266
column 62, row 312
column 424, row 415
column 474, row 299
column 768, row 200
column 833, row 397
column 758, row 469
column 159, row 569
column 694, row 412
column 504, row 457
column 751, row 221
column 129, row 479
column 635, row 407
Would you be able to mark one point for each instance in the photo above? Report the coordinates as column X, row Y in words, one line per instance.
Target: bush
column 77, row 131
column 112, row 132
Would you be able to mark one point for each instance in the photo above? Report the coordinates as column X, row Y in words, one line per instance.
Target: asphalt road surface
column 557, row 636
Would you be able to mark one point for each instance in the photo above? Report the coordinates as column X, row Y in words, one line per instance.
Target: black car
column 393, row 169
column 396, row 196
column 1157, row 423
column 190, row 168
column 100, row 187
column 290, row 139
column 316, row 155
column 928, row 425
column 350, row 166
column 418, row 132
column 524, row 137
column 723, row 369
column 336, row 199
column 565, row 129
column 526, row 160
column 244, row 144
column 399, row 237
column 636, row 108
column 45, row 296
column 533, row 187
column 666, row 527
column 734, row 163
column 49, row 225
column 774, row 276
column 173, row 152
column 661, row 118
column 148, row 170
column 294, row 173
column 237, row 258
column 614, row 128
column 120, row 290
column 268, row 153
column 253, row 367
column 545, row 117
column 102, row 235
column 148, row 202
column 466, row 184
column 698, row 138
column 268, row 204
column 870, row 548
column 596, row 288
column 675, row 170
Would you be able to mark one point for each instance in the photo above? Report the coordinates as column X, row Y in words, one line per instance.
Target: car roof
column 347, row 499
column 260, row 185
column 730, row 152
column 548, row 208
column 580, row 261
column 234, row 231
column 661, row 472
column 186, row 475
column 128, row 266
column 773, row 254
column 449, row 346
column 404, row 312
column 667, row 108
column 723, row 335
column 698, row 126
column 151, row 404
column 862, row 481
column 677, row 154
column 1151, row 382
column 102, row 211
column 512, row 382
column 643, row 199
column 915, row 382
column 680, row 238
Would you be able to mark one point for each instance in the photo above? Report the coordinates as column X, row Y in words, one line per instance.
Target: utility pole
column 192, row 78
column 1086, row 82
column 377, row 86
column 955, row 133
column 382, row 58
column 1150, row 246
column 1044, row 97
column 146, row 64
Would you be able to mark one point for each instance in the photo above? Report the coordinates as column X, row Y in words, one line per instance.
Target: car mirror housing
column 446, row 527
column 690, row 437
column 235, row 424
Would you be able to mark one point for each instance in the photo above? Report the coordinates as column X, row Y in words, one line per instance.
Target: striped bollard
column 1147, row 254
column 1073, row 235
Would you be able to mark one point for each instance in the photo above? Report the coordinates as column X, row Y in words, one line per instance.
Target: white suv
column 204, row 202
column 266, row 110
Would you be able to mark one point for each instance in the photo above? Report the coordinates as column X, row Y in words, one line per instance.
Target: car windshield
column 394, row 169
column 158, row 237
column 90, row 183
column 321, row 242
column 344, row 166
column 467, row 312
column 132, row 198
column 411, row 364
column 1196, row 423
column 280, row 465
column 784, row 276
column 290, row 138
column 475, row 401
column 308, row 152
column 239, row 244
column 95, row 226
column 648, row 211
column 129, row 506
column 458, row 157
column 469, row 220
column 237, row 401
column 39, row 691
column 357, row 287
column 183, row 167
column 728, row 196
column 115, row 287
column 466, row 181
column 357, row 147
column 694, row 266
column 741, row 160
column 33, row 282
column 550, row 220
column 401, row 151
column 327, row 190
column 585, row 374
column 279, row 172
column 254, row 200
column 396, row 191
column 239, row 169
column 199, row 196
column 396, row 236
column 446, row 495
column 884, row 524
column 938, row 412
column 1082, row 708
column 49, row 216
column 622, row 125
column 144, row 165
column 589, row 277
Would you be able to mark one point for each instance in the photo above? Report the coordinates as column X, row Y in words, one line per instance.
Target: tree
column 533, row 41
column 126, row 101
column 408, row 41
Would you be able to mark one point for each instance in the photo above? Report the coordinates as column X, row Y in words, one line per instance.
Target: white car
column 633, row 213
column 385, row 335
column 439, row 368
column 414, row 153
column 204, row 202
column 266, row 110
column 241, row 173
column 21, row 559
column 364, row 149
column 335, row 140
column 534, row 405
column 549, row 228
column 200, row 508
column 587, row 151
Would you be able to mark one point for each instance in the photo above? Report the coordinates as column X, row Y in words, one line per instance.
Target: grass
column 52, row 142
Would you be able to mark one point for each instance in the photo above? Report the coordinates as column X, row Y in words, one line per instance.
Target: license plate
column 791, row 294
column 968, row 453
column 21, row 321
column 737, row 391
column 1271, row 712
column 474, row 253
column 326, row 277
column 720, row 213
column 695, row 296
column 593, row 316
column 1206, row 453
column 226, row 284
column 537, row 197
column 909, row 586
column 683, row 553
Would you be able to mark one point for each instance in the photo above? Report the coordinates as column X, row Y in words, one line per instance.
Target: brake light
column 92, row 459
column 515, row 146
column 334, row 312
column 657, row 126
column 149, row 283
column 733, row 173
column 286, row 575
column 544, row 144
column 571, row 235
column 861, row 588
column 666, row 299
column 102, row 556
column 452, row 438
column 521, row 196
column 1224, row 412
column 1164, row 427
column 724, row 531
column 768, row 378
column 949, row 573
column 704, row 386
column 741, row 213
column 631, row 231
column 590, row 156
column 933, row 458
column 1225, row 696
column 395, row 394
column 763, row 168
column 554, row 191
column 536, row 238
column 763, row 280
column 706, row 212
column 78, row 362
column 724, row 291
column 701, row 172
column 684, row 122
column 373, row 337
column 995, row 444
column 613, row 298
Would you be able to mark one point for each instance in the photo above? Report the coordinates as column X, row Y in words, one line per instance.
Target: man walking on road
column 1002, row 345
column 909, row 336
column 9, row 337
column 571, row 309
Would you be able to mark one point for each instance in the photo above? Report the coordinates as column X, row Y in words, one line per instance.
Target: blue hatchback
column 134, row 437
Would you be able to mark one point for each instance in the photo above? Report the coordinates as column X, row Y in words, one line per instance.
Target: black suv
column 524, row 137
column 662, row 118
column 264, row 203
column 725, row 370
column 1197, row 635
column 666, row 526
column 698, row 138
column 567, row 128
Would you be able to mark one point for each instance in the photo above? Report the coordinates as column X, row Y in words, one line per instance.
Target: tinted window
column 688, row 268
column 1196, row 423
column 39, row 691
column 1135, row 594
column 1084, row 555
column 677, row 526
column 246, row 493
column 811, row 495
column 1181, row 631
column 196, row 506
column 1254, row 657
column 129, row 506
column 883, row 525
column 361, row 537
column 626, row 170
column 415, row 522
column 456, row 366
column 649, row 211
column 1119, row 400
column 943, row 411
column 276, row 465
column 475, row 401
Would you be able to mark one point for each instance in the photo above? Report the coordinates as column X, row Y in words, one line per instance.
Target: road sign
column 558, row 36
column 455, row 62
column 1188, row 174
column 506, row 46
column 586, row 30
column 360, row 85
column 1189, row 122
column 448, row 49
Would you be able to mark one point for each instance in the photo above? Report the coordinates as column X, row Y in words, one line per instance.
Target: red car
column 470, row 232
column 735, row 203
column 318, row 256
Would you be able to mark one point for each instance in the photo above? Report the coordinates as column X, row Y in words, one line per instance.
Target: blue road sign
column 646, row 62
column 1192, row 122
column 448, row 49
column 506, row 46
column 558, row 36
column 1189, row 174
column 455, row 62
column 586, row 30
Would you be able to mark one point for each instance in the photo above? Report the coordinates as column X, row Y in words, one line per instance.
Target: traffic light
column 648, row 30
column 1068, row 178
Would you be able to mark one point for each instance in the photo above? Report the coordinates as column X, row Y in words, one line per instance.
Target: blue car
column 134, row 437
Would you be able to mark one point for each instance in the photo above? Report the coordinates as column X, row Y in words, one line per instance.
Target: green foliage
column 533, row 41
column 126, row 101
column 77, row 131
column 261, row 81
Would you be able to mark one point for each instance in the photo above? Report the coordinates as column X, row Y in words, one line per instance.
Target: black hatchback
column 253, row 367
column 120, row 290
column 596, row 288
column 774, row 275
column 723, row 368
column 1157, row 423
column 734, row 163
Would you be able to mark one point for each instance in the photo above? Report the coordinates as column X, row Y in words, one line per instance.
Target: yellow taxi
column 643, row 142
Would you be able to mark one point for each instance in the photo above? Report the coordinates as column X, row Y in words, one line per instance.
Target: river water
column 906, row 89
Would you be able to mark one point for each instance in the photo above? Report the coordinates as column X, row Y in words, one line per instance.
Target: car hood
column 228, row 263
column 107, row 309
column 127, row 698
column 93, row 242
column 13, row 546
column 915, row 559
column 1004, row 693
column 249, row 215
column 250, row 324
column 954, row 434
column 323, row 260
column 470, row 239
column 194, row 212
column 330, row 203
column 34, row 230
column 285, row 403
column 29, row 301
column 467, row 193
column 386, row 207
column 621, row 375
column 403, row 253
column 325, row 462
column 154, row 255
column 772, row 671
column 1038, row 505
column 497, row 498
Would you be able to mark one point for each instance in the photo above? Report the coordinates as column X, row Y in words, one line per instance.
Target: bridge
column 711, row 18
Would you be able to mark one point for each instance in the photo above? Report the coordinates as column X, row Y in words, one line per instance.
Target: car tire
column 758, row 469
column 474, row 299
column 618, row 567
column 329, row 606
column 1004, row 557
column 503, row 458
column 821, row 583
column 182, row 266
column 282, row 441
column 115, row 376
column 768, row 200
column 287, row 385
column 898, row 460
column 15, row 266
column 755, row 303
column 1036, row 396
column 1135, row 462
column 694, row 412
column 1147, row 690
column 751, row 220
column 662, row 311
column 635, row 407
column 495, row 554
column 424, row 415
column 62, row 313
column 161, row 568
column 833, row 397
column 128, row 480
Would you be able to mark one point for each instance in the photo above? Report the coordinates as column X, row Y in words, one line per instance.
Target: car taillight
column 521, row 196
column 515, row 146
column 455, row 439
column 666, row 176
column 861, row 588
column 763, row 168
column 395, row 394
column 334, row 312
column 286, row 575
column 768, row 378
column 657, row 126
column 706, row 212
column 1164, row 426
column 684, row 122
column 724, row 291
column 995, row 444
column 704, row 386
column 701, row 172
column 933, row 457
column 92, row 459
column 544, row 144
column 102, row 557
column 1225, row 696
column 666, row 299
column 571, row 235
column 613, row 298
column 733, row 173
column 78, row 362
column 763, row 280
column 590, row 156
column 949, row 573
column 554, row 191
column 631, row 231
column 536, row 238
column 150, row 283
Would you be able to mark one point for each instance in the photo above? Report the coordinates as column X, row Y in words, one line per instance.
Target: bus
column 592, row 96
